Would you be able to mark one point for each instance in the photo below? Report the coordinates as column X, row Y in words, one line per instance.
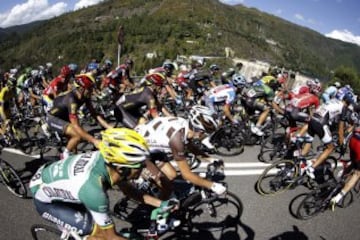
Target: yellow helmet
column 123, row 147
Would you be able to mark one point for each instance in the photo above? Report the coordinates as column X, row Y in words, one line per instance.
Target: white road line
column 18, row 152
column 240, row 165
column 231, row 168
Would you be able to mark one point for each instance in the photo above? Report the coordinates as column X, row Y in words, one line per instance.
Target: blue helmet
column 349, row 98
column 238, row 80
column 92, row 66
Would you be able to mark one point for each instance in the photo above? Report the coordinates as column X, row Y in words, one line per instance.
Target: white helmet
column 202, row 118
column 337, row 84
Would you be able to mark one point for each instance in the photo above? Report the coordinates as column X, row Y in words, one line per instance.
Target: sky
column 339, row 19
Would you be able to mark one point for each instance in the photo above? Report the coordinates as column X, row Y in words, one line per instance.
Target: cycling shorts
column 316, row 127
column 71, row 216
column 57, row 124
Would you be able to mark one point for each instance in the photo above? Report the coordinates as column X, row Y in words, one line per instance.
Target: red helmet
column 65, row 71
column 84, row 80
column 156, row 78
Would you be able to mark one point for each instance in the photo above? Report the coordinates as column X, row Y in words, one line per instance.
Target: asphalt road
column 262, row 218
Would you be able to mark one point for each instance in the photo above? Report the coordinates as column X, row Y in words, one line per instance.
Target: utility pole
column 120, row 38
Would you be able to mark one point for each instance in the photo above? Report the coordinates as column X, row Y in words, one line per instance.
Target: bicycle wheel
column 228, row 140
column 45, row 232
column 216, row 213
column 11, row 180
column 277, row 178
column 312, row 205
column 272, row 148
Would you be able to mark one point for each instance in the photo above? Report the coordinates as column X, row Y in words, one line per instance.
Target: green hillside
column 185, row 27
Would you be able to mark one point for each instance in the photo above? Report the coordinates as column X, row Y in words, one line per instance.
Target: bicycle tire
column 45, row 232
column 282, row 174
column 11, row 180
column 226, row 212
column 311, row 205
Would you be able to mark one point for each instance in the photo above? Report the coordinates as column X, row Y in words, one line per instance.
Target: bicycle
column 200, row 208
column 10, row 178
column 319, row 200
column 159, row 223
column 285, row 174
column 18, row 134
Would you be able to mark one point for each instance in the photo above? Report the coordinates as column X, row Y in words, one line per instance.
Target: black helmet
column 214, row 67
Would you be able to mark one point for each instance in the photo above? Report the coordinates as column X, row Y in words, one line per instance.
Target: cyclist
column 330, row 92
column 48, row 73
column 63, row 116
column 73, row 193
column 258, row 96
column 119, row 79
column 167, row 71
column 311, row 85
column 325, row 117
column 20, row 84
column 56, row 86
column 226, row 95
column 227, row 75
column 130, row 106
column 172, row 135
column 7, row 96
column 343, row 91
column 354, row 145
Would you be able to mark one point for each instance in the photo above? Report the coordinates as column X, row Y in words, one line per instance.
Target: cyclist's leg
column 154, row 174
column 72, row 217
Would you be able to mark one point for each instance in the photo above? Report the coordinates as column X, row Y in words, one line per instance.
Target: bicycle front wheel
column 216, row 213
column 11, row 180
column 45, row 232
column 311, row 206
column 277, row 178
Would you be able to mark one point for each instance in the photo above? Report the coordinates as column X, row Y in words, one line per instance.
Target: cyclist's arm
column 178, row 148
column 130, row 191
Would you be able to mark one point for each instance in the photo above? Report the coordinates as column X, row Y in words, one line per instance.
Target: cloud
column 278, row 11
column 30, row 11
column 34, row 10
column 86, row 3
column 344, row 35
column 298, row 16
column 232, row 2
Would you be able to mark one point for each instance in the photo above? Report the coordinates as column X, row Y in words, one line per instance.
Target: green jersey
column 81, row 179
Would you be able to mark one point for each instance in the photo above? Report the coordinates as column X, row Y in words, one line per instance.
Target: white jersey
column 159, row 131
column 222, row 93
column 332, row 109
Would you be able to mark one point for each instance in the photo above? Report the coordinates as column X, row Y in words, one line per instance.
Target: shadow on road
column 295, row 234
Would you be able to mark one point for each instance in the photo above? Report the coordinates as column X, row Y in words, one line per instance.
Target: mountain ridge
column 165, row 27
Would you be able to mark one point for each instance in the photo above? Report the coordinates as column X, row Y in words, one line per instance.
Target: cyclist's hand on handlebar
column 170, row 205
column 218, row 188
